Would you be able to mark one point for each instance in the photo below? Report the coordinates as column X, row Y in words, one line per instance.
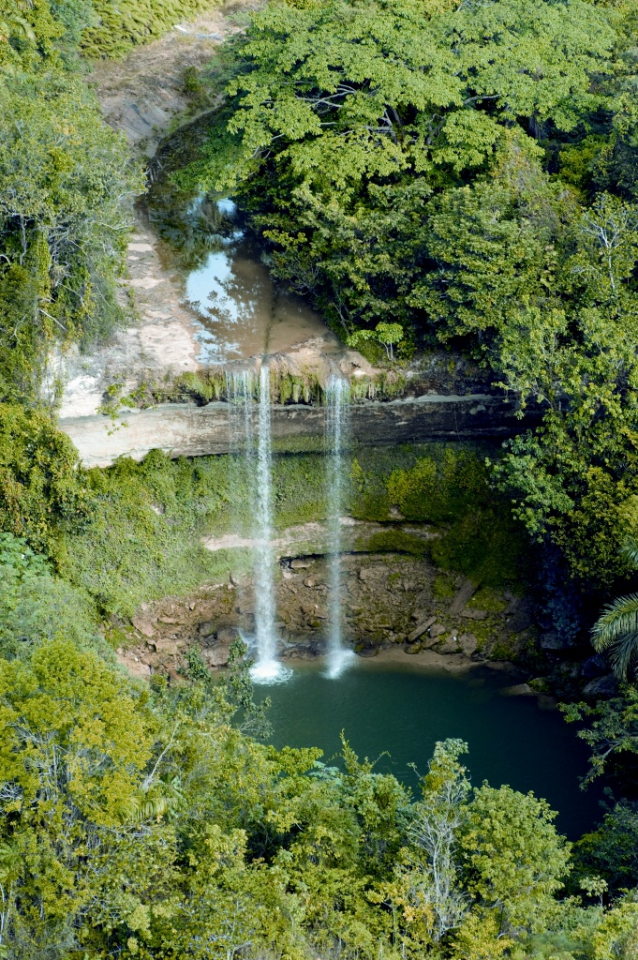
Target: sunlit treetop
column 344, row 90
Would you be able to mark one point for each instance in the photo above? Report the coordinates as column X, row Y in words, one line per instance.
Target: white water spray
column 337, row 397
column 267, row 668
column 257, row 447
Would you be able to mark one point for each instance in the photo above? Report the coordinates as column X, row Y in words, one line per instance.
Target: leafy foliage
column 466, row 173
column 36, row 606
column 482, row 539
column 65, row 186
column 143, row 823
column 40, row 485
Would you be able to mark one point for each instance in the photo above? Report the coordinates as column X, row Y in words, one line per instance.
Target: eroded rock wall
column 184, row 429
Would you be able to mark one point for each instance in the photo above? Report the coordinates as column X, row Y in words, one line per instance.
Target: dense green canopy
column 466, row 173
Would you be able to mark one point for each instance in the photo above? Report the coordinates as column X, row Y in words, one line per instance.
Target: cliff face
column 184, row 429
column 440, row 398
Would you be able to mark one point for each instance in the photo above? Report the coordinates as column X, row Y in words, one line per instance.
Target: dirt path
column 142, row 94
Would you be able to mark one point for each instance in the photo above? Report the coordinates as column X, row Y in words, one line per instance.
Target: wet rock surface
column 383, row 597
column 185, row 429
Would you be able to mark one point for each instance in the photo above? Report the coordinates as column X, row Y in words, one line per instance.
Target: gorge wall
column 185, row 429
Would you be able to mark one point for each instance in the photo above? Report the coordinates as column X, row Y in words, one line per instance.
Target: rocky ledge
column 184, row 429
column 390, row 601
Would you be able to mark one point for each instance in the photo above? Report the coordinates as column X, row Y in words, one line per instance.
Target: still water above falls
column 239, row 312
column 405, row 711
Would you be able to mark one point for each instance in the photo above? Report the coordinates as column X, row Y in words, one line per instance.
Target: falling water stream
column 267, row 668
column 337, row 397
column 251, row 438
column 250, row 405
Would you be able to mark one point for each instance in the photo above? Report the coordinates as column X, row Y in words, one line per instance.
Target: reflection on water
column 239, row 311
column 404, row 712
column 242, row 314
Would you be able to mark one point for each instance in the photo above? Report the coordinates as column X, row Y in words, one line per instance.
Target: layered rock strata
column 184, row 429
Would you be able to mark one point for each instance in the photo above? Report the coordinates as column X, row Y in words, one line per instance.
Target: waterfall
column 267, row 666
column 250, row 428
column 337, row 397
column 258, row 463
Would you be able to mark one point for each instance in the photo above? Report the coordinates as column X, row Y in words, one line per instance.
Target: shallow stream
column 221, row 273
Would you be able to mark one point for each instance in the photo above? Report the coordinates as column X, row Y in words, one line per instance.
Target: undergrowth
column 118, row 27
column 143, row 539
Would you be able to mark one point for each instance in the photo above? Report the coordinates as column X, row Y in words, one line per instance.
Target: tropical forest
column 318, row 480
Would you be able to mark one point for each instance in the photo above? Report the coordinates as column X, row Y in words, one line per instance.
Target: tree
column 66, row 189
column 426, row 887
column 616, row 630
column 343, row 117
column 515, row 861
column 76, row 742
column 613, row 734
column 41, row 486
column 36, row 606
column 387, row 334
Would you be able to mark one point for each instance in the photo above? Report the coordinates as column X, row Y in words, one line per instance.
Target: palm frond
column 616, row 630
column 618, row 619
column 629, row 551
column 624, row 654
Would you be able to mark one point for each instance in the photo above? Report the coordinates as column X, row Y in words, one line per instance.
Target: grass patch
column 397, row 541
column 489, row 600
column 443, row 588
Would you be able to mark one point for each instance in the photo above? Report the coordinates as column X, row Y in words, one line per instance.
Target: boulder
column 467, row 590
column 228, row 635
column 518, row 614
column 217, row 656
column 168, row 647
column 144, row 626
column 413, row 648
column 450, row 646
column 206, row 628
column 300, row 564
column 468, row 644
column 437, row 630
column 552, row 642
column 420, row 629
column 135, row 666
column 595, row 666
column 426, row 642
column 307, row 651
column 375, row 572
column 519, row 690
column 606, row 686
column 472, row 614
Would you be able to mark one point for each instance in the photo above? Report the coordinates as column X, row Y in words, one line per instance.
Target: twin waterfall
column 250, row 426
column 337, row 397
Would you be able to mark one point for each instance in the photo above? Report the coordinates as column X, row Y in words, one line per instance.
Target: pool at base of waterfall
column 395, row 715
